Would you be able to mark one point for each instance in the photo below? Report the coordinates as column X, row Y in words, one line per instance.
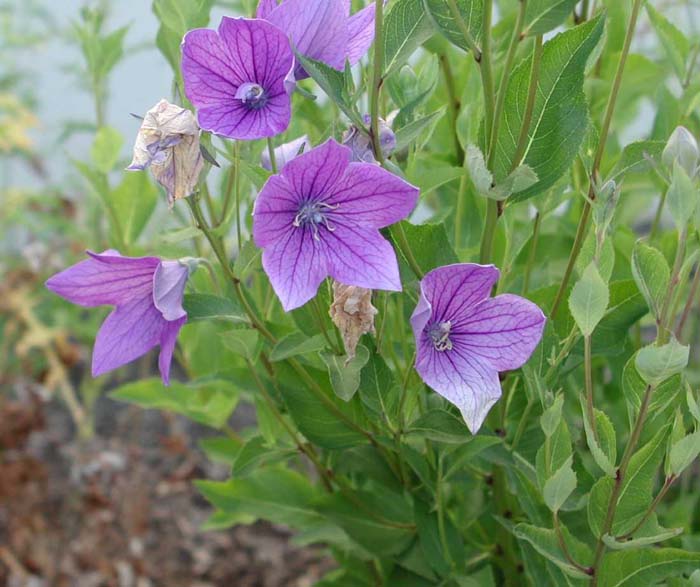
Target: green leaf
column 370, row 526
column 589, row 299
column 541, row 16
column 296, row 344
column 335, row 84
column 684, row 452
column 221, row 449
column 247, row 258
column 106, row 148
column 182, row 15
column 208, row 402
column 682, row 197
column 693, row 406
column 319, row 415
column 409, row 133
column 560, row 116
column 478, row 171
column 255, row 454
column 210, row 307
column 545, row 542
column 406, row 27
column 344, row 374
column 245, row 342
column 604, row 447
column 471, row 12
column 644, row 567
column 134, row 200
column 635, row 158
column 553, row 454
column 378, row 388
column 560, row 486
column 636, row 493
column 440, row 426
column 551, row 417
column 430, row 246
column 657, row 363
column 521, row 178
column 663, row 535
column 673, row 40
column 651, row 274
column 275, row 494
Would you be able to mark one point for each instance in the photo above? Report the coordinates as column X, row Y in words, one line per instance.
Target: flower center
column 252, row 95
column 312, row 214
column 439, row 333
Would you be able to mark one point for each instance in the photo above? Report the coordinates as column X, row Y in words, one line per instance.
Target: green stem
column 453, row 103
column 377, row 79
column 666, row 317
column 652, row 508
column 273, row 157
column 489, row 233
column 404, row 245
column 657, row 217
column 486, row 69
column 689, row 302
column 515, row 40
column 619, row 481
column 521, row 146
column 564, row 547
column 532, row 253
column 604, row 132
column 575, row 250
column 464, row 29
column 588, row 370
column 461, row 204
column 439, row 506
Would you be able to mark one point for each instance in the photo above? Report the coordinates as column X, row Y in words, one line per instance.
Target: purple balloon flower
column 323, row 30
column 321, row 216
column 147, row 293
column 464, row 337
column 235, row 77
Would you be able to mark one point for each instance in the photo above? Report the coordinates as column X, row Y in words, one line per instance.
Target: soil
column 119, row 509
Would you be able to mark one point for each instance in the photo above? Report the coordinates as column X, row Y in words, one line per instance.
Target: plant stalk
column 377, row 80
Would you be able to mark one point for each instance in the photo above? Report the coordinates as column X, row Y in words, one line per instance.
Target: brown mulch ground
column 119, row 509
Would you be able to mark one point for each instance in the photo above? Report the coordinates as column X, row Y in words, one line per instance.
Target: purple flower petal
column 296, row 266
column 316, row 28
column 370, row 196
column 503, row 330
column 168, row 288
column 360, row 33
column 236, row 78
column 314, row 174
column 275, row 208
column 320, row 216
column 265, row 7
column 464, row 337
column 286, row 152
column 168, row 338
column 465, row 381
column 361, row 257
column 105, row 279
column 129, row 332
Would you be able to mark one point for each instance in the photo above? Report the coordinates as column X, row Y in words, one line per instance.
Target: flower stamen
column 439, row 333
column 313, row 214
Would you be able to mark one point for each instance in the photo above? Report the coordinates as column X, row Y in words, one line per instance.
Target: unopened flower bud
column 285, row 153
column 353, row 313
column 683, row 148
column 168, row 143
column 361, row 144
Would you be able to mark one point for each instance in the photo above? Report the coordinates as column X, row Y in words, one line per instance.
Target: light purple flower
column 147, row 293
column 464, row 337
column 286, row 152
column 323, row 30
column 361, row 145
column 235, row 77
column 321, row 216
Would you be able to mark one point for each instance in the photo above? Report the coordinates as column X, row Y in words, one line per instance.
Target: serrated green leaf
column 245, row 342
column 296, row 344
column 657, row 363
column 614, row 544
column 545, row 542
column 635, row 158
column 551, row 417
column 603, row 447
column 673, row 40
column 651, row 274
column 684, row 452
column 406, row 27
column 440, row 426
column 560, row 117
column 589, row 299
column 541, row 16
column 560, row 486
column 344, row 374
column 644, row 567
column 201, row 306
column 409, row 133
column 471, row 12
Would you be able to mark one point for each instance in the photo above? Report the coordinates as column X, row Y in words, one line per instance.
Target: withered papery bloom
column 168, row 143
column 353, row 313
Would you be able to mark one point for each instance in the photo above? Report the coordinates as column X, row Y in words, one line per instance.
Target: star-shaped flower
column 321, row 216
column 464, row 337
column 235, row 78
column 323, row 30
column 147, row 293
